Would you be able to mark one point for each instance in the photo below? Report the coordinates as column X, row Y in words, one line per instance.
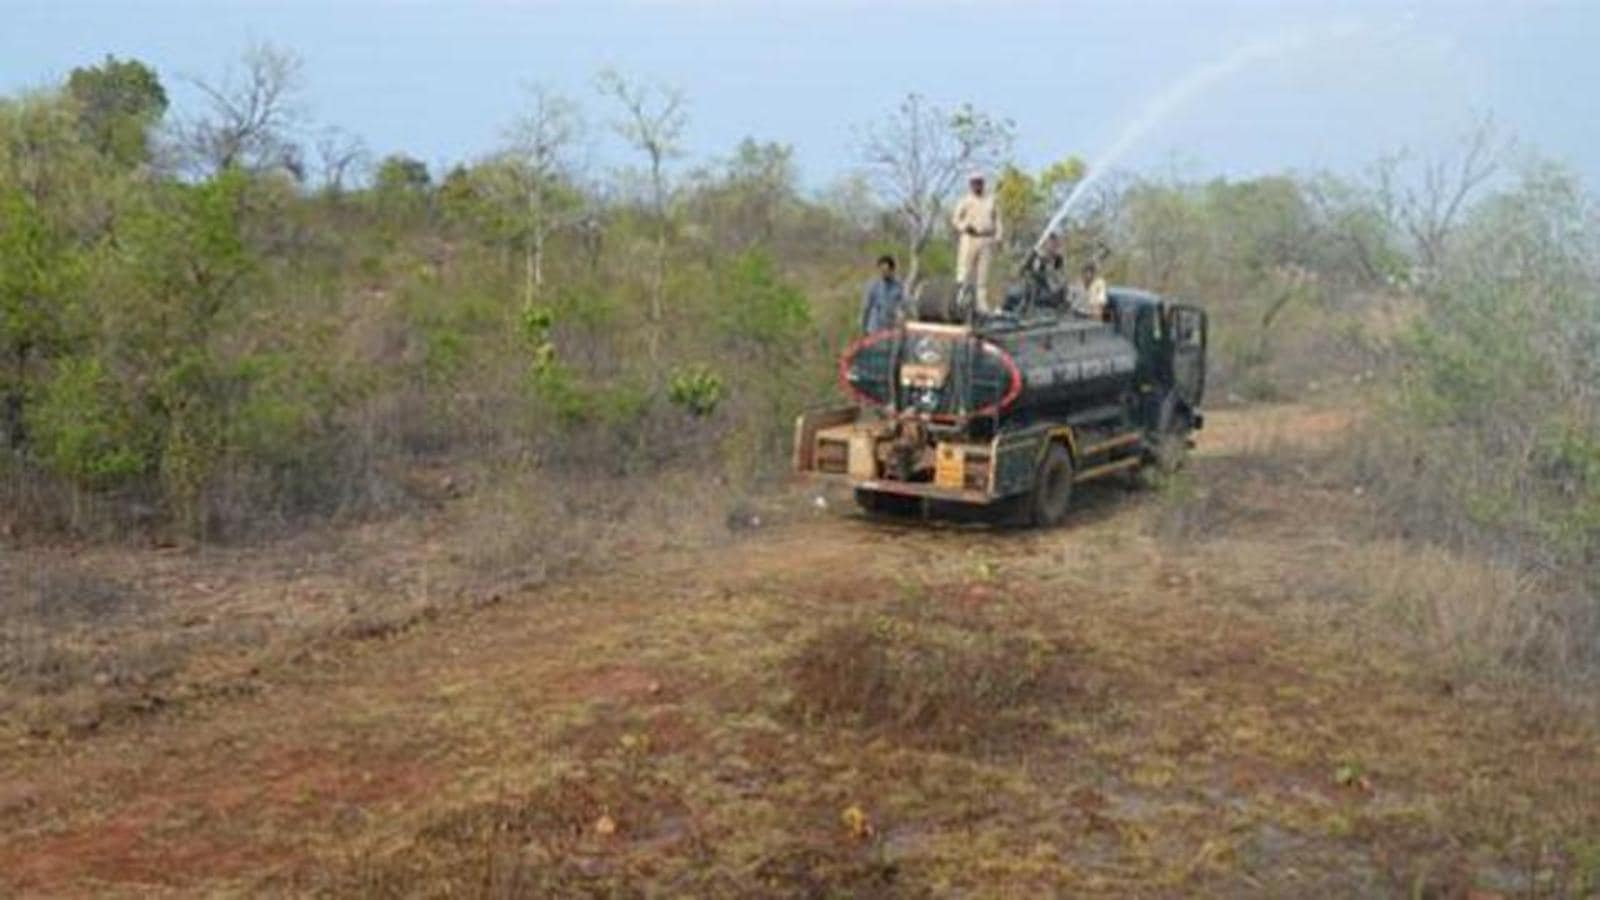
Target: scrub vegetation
column 370, row 528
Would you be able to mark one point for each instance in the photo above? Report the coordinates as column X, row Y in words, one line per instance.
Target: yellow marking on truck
column 937, row 328
column 994, row 465
column 950, row 467
column 1112, row 444
column 863, row 458
column 923, row 376
column 1063, row 433
column 1109, row 468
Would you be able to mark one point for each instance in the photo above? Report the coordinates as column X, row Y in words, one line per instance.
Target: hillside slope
column 1160, row 699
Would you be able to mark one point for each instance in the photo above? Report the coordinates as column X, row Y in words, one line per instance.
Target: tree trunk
column 533, row 263
column 528, row 262
column 657, row 285
column 913, row 270
column 16, row 429
column 594, row 245
column 538, row 262
column 659, row 276
column 913, row 265
column 920, row 235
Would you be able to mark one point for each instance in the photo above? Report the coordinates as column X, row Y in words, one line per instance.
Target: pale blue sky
column 440, row 80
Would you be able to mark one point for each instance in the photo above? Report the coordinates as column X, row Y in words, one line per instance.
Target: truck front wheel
column 1052, row 488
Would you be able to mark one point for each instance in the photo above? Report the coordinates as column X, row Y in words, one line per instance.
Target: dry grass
column 544, row 843
column 955, row 682
column 1290, row 493
column 93, row 635
column 69, row 639
column 540, row 526
column 1475, row 616
column 1229, row 486
column 852, row 708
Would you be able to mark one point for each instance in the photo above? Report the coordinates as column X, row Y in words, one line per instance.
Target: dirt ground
column 823, row 705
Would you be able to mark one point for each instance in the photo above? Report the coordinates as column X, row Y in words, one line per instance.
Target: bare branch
column 535, row 172
column 341, row 156
column 653, row 121
column 916, row 157
column 1430, row 209
column 254, row 110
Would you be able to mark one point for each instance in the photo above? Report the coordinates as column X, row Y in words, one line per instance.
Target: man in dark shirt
column 885, row 296
column 1047, row 275
column 1053, row 269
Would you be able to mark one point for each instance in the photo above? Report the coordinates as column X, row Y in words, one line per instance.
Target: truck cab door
column 1187, row 332
column 1140, row 323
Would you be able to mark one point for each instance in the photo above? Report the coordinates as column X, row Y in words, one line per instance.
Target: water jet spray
column 1190, row 86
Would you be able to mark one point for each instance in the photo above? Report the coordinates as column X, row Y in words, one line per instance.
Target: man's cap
column 975, row 175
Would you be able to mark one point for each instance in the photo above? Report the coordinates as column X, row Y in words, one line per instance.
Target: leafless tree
column 850, row 199
column 1101, row 216
column 341, row 156
column 539, row 160
column 253, row 112
column 1427, row 203
column 1161, row 232
column 1356, row 218
column 917, row 156
column 653, row 122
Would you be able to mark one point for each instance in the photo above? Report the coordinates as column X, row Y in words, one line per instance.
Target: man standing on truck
column 1089, row 295
column 977, row 223
column 885, row 296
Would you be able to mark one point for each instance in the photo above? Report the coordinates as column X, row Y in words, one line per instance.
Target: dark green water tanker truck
column 1010, row 411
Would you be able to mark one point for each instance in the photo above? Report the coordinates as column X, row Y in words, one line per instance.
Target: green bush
column 1499, row 391
column 84, row 428
column 697, row 389
column 760, row 308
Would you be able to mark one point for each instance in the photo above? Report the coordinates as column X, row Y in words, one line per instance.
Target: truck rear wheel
column 1052, row 488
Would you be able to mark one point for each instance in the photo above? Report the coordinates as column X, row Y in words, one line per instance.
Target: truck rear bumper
column 839, row 446
column 920, row 489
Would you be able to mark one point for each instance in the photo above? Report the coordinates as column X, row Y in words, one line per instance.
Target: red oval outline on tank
column 867, row 340
column 1013, row 392
column 849, row 353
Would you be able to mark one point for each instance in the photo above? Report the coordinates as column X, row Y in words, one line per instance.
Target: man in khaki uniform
column 977, row 221
column 1088, row 297
column 1094, row 288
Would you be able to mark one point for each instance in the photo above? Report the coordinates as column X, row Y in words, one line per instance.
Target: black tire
column 1052, row 488
column 937, row 299
column 880, row 503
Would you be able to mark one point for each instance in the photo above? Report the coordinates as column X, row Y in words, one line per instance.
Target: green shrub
column 697, row 389
column 1498, row 395
column 759, row 307
column 557, row 390
column 84, row 427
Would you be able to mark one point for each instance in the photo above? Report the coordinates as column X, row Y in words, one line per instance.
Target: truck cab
column 1170, row 338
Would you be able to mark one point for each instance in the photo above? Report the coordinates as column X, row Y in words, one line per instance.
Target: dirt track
column 633, row 732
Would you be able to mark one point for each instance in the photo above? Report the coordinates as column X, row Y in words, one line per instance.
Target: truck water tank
column 999, row 368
